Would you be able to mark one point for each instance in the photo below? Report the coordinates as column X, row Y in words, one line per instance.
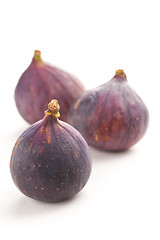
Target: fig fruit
column 111, row 116
column 39, row 84
column 50, row 160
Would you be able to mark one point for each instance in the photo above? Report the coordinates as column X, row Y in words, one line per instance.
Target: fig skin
column 39, row 84
column 50, row 160
column 112, row 116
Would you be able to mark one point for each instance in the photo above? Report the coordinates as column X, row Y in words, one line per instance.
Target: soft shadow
column 15, row 133
column 27, row 207
column 99, row 155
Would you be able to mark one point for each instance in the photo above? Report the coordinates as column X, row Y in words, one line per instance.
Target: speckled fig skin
column 39, row 84
column 112, row 116
column 50, row 161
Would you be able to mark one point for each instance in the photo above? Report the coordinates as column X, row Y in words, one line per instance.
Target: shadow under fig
column 28, row 207
column 100, row 155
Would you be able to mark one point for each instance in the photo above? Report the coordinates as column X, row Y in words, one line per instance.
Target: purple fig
column 111, row 116
column 50, row 160
column 39, row 84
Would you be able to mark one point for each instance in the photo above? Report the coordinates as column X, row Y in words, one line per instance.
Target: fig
column 50, row 160
column 39, row 84
column 112, row 116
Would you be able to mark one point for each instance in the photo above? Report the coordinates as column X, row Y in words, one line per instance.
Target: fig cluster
column 50, row 160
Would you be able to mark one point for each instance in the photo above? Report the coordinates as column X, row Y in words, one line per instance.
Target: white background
column 91, row 39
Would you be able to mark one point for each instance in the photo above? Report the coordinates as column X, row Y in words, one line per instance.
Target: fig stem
column 120, row 73
column 37, row 56
column 53, row 109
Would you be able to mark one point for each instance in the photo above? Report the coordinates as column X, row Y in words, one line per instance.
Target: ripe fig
column 50, row 160
column 111, row 116
column 39, row 84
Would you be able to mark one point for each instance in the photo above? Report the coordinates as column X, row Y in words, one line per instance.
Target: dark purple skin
column 111, row 117
column 50, row 161
column 39, row 84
